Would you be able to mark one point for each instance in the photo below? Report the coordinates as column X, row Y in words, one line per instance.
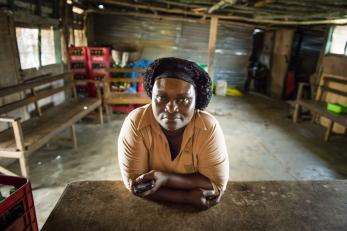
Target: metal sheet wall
column 162, row 38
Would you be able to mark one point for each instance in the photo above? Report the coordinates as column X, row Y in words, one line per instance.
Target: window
column 80, row 39
column 47, row 47
column 28, row 47
column 338, row 40
column 31, row 54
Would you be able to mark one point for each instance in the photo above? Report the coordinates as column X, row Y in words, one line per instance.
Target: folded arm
column 194, row 189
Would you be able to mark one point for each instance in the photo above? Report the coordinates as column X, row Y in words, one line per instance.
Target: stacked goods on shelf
column 89, row 63
column 79, row 65
column 98, row 60
column 134, row 87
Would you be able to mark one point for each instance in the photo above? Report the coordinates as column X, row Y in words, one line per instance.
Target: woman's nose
column 171, row 106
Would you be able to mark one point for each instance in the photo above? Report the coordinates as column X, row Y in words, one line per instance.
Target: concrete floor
column 263, row 144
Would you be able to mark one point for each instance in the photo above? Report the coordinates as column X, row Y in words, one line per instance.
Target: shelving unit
column 79, row 67
column 118, row 98
column 89, row 63
column 99, row 60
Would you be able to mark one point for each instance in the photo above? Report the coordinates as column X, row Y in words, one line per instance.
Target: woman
column 172, row 141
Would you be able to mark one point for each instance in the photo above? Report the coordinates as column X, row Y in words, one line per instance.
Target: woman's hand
column 203, row 199
column 159, row 179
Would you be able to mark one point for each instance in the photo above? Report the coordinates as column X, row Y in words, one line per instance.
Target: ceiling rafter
column 221, row 4
column 274, row 12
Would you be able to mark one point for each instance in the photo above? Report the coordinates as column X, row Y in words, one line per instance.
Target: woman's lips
column 171, row 118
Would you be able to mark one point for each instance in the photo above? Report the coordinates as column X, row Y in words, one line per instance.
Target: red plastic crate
column 99, row 59
column 123, row 109
column 77, row 54
column 99, row 54
column 21, row 201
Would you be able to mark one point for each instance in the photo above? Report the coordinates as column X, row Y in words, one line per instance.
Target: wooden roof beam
column 221, row 4
column 149, row 7
column 232, row 18
column 262, row 3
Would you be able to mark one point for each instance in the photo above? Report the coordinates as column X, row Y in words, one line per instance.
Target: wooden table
column 269, row 205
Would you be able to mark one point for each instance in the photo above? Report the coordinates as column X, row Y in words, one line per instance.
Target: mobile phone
column 143, row 186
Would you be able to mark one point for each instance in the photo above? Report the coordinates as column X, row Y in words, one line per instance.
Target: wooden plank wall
column 9, row 63
column 280, row 57
column 11, row 72
column 336, row 65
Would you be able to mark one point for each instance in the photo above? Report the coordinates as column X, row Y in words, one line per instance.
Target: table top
column 263, row 205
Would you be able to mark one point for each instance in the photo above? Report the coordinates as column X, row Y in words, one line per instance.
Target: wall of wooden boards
column 280, row 58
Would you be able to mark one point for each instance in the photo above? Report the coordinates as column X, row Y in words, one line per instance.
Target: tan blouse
column 142, row 146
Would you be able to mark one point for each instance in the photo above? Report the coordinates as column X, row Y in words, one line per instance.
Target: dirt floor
column 263, row 144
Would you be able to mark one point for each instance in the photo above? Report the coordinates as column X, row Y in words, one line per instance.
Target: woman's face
column 173, row 103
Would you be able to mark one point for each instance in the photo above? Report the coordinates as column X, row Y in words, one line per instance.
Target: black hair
column 200, row 77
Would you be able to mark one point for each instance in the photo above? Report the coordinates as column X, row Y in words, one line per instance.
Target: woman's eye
column 160, row 99
column 184, row 100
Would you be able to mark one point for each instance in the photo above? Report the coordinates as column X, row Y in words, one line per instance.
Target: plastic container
column 77, row 54
column 336, row 108
column 221, row 87
column 99, row 59
column 203, row 66
column 233, row 92
column 17, row 212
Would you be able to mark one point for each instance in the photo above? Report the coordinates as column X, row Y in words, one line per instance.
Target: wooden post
column 296, row 113
column 24, row 166
column 212, row 44
column 38, row 8
column 38, row 108
column 328, row 131
column 98, row 91
column 106, row 91
column 73, row 86
column 73, row 136
column 18, row 135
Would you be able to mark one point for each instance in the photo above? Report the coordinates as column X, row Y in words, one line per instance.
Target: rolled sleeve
column 213, row 161
column 132, row 153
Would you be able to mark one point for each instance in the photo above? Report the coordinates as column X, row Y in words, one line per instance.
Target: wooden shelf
column 125, row 70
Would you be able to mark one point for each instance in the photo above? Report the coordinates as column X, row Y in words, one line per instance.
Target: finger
column 211, row 203
column 148, row 176
column 220, row 196
column 151, row 191
column 217, row 196
column 131, row 184
column 140, row 178
column 208, row 193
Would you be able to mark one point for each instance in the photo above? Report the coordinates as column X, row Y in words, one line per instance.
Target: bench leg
column 328, row 131
column 101, row 116
column 24, row 166
column 314, row 115
column 108, row 112
column 73, row 136
column 296, row 113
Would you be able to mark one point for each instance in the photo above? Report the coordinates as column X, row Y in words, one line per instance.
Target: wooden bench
column 117, row 96
column 24, row 137
column 318, row 107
